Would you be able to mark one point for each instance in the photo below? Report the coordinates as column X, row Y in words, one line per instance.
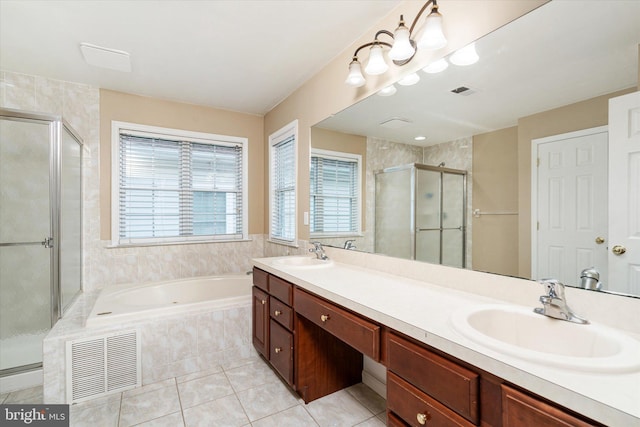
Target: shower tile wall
column 79, row 104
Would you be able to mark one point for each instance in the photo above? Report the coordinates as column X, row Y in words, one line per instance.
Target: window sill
column 190, row 242
column 335, row 236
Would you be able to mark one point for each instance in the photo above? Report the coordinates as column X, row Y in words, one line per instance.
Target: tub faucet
column 350, row 244
column 318, row 250
column 554, row 303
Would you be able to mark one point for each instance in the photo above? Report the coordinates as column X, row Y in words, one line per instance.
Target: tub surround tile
column 148, row 406
column 212, row 387
column 293, row 417
column 183, row 336
column 223, row 412
column 265, row 400
column 237, row 327
column 210, row 332
column 338, row 409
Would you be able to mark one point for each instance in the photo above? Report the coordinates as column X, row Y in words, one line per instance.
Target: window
column 335, row 193
column 171, row 185
column 282, row 183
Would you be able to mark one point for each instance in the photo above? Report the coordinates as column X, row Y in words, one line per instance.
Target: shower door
column 26, row 257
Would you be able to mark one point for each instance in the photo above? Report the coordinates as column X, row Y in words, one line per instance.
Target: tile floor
column 242, row 393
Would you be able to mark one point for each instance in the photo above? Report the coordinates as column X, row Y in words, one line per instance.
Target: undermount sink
column 303, row 262
column 520, row 332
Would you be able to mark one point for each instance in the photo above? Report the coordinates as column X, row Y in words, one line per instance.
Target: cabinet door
column 260, row 327
column 281, row 351
column 519, row 409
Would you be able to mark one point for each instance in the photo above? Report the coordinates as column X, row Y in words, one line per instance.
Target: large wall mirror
column 475, row 166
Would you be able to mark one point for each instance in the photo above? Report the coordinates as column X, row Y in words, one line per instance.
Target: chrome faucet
column 554, row 303
column 349, row 244
column 590, row 279
column 318, row 250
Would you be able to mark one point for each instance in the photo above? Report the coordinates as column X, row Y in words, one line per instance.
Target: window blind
column 177, row 189
column 334, row 195
column 283, row 204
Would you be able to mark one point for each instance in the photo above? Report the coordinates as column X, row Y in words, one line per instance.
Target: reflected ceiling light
column 465, row 56
column 402, row 46
column 420, row 138
column 377, row 64
column 409, row 80
column 436, row 67
column 387, row 91
column 355, row 77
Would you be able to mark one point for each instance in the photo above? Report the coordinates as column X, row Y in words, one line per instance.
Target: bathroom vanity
column 313, row 325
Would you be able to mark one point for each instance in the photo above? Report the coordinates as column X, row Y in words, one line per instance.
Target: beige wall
column 155, row 112
column 582, row 115
column 326, row 93
column 342, row 142
column 495, row 189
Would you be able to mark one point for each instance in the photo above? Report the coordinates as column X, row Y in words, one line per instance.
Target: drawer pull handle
column 324, row 317
column 423, row 418
column 277, row 349
column 277, row 313
column 263, row 301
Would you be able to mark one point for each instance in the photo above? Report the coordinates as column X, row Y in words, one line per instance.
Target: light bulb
column 387, row 91
column 409, row 80
column 432, row 36
column 376, row 64
column 436, row 67
column 401, row 49
column 465, row 56
column 355, row 77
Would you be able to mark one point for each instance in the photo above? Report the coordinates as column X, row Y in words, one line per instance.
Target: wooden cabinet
column 272, row 323
column 260, row 324
column 520, row 409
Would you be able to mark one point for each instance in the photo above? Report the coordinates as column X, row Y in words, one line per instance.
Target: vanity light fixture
column 409, row 80
column 402, row 48
column 387, row 91
column 465, row 56
column 420, row 138
column 436, row 67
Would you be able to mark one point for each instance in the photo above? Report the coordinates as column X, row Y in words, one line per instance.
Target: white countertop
column 422, row 310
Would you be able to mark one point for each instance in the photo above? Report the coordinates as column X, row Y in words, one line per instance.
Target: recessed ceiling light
column 420, row 138
column 104, row 57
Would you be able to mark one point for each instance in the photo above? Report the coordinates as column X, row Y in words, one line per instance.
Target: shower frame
column 56, row 125
column 415, row 167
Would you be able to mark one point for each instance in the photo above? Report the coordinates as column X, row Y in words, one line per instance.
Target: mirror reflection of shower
column 40, row 232
column 420, row 213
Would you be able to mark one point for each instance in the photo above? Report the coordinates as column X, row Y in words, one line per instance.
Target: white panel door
column 624, row 194
column 572, row 205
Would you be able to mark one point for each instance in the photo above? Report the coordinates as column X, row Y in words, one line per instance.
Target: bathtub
column 141, row 301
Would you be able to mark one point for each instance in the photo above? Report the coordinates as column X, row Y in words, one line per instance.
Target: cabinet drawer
column 451, row 384
column 359, row 333
column 281, row 289
column 519, row 409
column 417, row 408
column 281, row 313
column 261, row 279
column 281, row 351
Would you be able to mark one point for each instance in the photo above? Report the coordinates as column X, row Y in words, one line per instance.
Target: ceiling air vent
column 98, row 366
column 463, row 90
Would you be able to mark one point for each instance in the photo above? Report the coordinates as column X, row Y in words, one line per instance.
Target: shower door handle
column 47, row 243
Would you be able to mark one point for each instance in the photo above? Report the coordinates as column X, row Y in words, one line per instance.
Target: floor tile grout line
column 180, row 401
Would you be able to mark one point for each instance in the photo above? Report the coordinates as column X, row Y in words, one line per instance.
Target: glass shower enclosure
column 420, row 213
column 40, row 232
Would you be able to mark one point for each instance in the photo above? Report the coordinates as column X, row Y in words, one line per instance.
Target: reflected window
column 335, row 193
column 172, row 187
column 282, row 184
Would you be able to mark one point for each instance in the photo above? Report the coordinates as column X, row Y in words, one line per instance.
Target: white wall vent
column 102, row 365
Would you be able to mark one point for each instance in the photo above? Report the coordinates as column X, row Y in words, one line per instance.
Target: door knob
column 599, row 240
column 618, row 249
